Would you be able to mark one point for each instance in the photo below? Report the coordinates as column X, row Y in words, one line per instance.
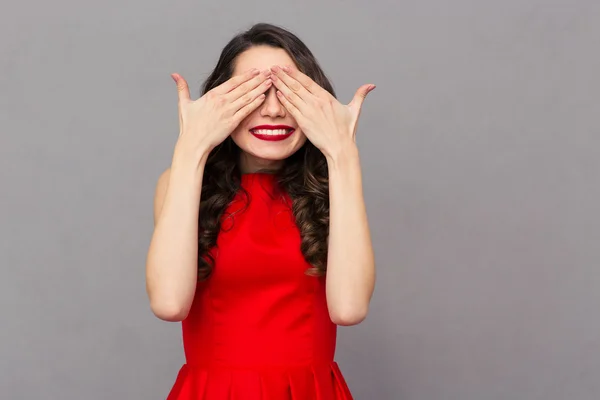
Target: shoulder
column 160, row 192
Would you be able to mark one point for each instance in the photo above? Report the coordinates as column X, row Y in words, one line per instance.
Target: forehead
column 261, row 57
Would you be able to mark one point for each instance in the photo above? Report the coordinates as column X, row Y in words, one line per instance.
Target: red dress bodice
column 259, row 327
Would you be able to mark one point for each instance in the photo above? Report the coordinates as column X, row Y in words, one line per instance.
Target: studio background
column 480, row 150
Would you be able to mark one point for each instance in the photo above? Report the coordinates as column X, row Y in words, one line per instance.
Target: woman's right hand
column 206, row 122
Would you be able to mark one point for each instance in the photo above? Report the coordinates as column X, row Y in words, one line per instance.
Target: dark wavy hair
column 303, row 176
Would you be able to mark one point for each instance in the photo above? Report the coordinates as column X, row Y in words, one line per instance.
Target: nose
column 272, row 107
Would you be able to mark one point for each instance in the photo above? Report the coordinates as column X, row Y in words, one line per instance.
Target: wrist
column 343, row 155
column 185, row 156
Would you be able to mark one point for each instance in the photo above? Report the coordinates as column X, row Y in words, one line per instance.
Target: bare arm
column 331, row 127
column 350, row 264
column 172, row 261
column 171, row 265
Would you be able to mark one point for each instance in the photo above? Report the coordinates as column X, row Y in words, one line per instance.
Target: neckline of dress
column 257, row 176
column 258, row 173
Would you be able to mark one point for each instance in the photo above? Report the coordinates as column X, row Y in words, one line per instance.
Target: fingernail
column 286, row 68
column 274, row 68
column 255, row 71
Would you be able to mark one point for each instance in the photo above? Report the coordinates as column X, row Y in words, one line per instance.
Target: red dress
column 259, row 327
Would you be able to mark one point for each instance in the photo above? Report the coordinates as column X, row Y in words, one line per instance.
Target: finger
column 247, row 86
column 183, row 91
column 289, row 106
column 291, row 83
column 360, row 96
column 250, row 96
column 291, row 96
column 246, row 110
column 235, row 81
column 308, row 83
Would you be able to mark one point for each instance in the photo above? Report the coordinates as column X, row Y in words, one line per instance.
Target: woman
column 263, row 196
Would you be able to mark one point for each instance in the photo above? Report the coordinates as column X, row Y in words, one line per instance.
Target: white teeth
column 271, row 131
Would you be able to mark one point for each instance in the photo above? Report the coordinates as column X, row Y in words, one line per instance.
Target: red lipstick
column 272, row 137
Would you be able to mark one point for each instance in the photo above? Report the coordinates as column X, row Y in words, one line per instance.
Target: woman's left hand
column 327, row 123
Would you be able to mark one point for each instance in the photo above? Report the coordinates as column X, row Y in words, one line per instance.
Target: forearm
column 350, row 264
column 171, row 267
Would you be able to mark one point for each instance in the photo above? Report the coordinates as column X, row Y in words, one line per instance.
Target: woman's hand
column 206, row 122
column 327, row 123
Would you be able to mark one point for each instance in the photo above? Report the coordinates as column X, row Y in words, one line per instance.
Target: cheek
column 239, row 136
column 238, row 130
column 301, row 138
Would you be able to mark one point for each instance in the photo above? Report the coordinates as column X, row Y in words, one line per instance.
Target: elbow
column 349, row 317
column 169, row 312
column 167, row 303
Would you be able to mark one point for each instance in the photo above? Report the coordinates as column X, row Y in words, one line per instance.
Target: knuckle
column 246, row 99
column 243, row 88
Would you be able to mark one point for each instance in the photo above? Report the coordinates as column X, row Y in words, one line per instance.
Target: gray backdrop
column 481, row 153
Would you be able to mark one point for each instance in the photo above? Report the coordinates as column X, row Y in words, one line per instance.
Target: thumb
column 183, row 90
column 360, row 96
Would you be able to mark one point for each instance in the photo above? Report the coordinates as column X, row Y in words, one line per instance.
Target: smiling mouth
column 272, row 133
